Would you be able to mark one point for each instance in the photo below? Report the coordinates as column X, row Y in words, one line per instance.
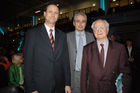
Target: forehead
column 80, row 17
column 100, row 23
column 52, row 7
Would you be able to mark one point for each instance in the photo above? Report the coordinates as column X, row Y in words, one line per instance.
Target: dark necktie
column 102, row 53
column 52, row 39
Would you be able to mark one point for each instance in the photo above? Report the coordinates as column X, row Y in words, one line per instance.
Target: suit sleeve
column 125, row 69
column 84, row 71
column 28, row 61
column 66, row 64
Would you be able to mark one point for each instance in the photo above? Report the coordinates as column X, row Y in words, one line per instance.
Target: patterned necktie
column 102, row 53
column 52, row 39
column 79, row 54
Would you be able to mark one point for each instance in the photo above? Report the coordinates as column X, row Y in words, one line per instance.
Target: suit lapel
column 98, row 58
column 45, row 36
column 73, row 38
column 56, row 44
column 87, row 38
column 109, row 56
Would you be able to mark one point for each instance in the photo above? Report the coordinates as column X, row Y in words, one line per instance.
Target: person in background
column 5, row 62
column 130, row 50
column 112, row 37
column 131, row 53
column 16, row 72
column 103, row 61
column 76, row 40
column 4, row 66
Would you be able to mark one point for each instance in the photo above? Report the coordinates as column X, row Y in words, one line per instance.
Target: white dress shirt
column 48, row 31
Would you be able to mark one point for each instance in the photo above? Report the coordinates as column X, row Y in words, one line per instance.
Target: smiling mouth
column 99, row 34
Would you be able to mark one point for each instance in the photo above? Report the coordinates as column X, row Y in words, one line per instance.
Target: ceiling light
column 61, row 13
column 93, row 4
column 37, row 11
column 57, row 4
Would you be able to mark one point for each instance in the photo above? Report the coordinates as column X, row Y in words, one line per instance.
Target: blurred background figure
column 112, row 37
column 4, row 65
column 16, row 71
column 131, row 52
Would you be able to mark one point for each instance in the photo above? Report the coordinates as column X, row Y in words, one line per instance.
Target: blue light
column 1, row 31
column 20, row 43
column 102, row 4
column 33, row 20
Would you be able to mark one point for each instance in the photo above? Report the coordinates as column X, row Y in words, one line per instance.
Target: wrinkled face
column 100, row 30
column 80, row 23
column 51, row 14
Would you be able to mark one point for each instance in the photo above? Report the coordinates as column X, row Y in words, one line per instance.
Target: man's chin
column 81, row 30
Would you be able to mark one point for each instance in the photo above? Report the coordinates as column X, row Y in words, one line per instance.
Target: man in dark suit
column 131, row 52
column 102, row 62
column 46, row 59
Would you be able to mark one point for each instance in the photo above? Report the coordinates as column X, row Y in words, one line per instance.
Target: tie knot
column 102, row 45
column 51, row 30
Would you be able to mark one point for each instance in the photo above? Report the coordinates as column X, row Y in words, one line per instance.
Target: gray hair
column 80, row 13
column 107, row 24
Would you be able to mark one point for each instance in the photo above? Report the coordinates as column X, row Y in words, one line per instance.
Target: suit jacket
column 133, row 52
column 46, row 69
column 71, row 39
column 102, row 80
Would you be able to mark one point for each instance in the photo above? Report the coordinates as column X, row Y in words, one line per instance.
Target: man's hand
column 21, row 87
column 131, row 59
column 35, row 92
column 67, row 89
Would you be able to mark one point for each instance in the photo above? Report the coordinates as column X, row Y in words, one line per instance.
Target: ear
column 74, row 23
column 44, row 13
column 107, row 31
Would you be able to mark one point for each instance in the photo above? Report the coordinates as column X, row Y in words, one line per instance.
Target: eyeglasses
column 99, row 28
column 78, row 21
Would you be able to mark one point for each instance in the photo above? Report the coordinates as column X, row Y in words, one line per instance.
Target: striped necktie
column 52, row 39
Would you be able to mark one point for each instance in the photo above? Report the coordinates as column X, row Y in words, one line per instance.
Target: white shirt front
column 48, row 31
column 129, row 51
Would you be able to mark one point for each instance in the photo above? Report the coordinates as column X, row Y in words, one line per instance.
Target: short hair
column 107, row 24
column 16, row 58
column 80, row 13
column 51, row 4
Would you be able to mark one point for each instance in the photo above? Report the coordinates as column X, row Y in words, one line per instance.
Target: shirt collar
column 105, row 42
column 48, row 28
column 82, row 33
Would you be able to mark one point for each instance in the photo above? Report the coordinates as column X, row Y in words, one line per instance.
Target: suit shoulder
column 60, row 31
column 89, row 33
column 89, row 44
column 70, row 33
column 34, row 29
column 117, row 44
